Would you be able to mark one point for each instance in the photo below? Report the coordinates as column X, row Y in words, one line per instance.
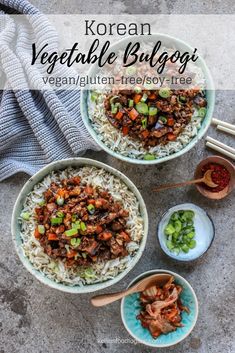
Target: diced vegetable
column 125, row 130
column 133, row 114
column 60, row 200
column 171, row 136
column 60, row 214
column 170, row 122
column 182, row 99
column 114, row 109
column 164, row 92
column 25, row 216
column 202, row 112
column 56, row 220
column 137, row 98
column 152, row 96
column 75, row 242
column 149, row 157
column 144, row 123
column 144, row 97
column 152, row 111
column 169, row 229
column 137, row 89
column 91, row 209
column 162, row 119
column 71, row 232
column 89, row 273
column 83, row 226
column 76, row 225
column 41, row 228
column 142, row 108
column 130, row 103
column 111, row 101
column 94, row 96
column 119, row 115
column 52, row 236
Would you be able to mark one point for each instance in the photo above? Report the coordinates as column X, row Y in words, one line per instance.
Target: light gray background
column 36, row 319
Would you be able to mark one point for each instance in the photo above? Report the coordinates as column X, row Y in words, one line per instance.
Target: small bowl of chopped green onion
column 185, row 232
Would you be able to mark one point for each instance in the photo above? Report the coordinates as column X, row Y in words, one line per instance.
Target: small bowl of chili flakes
column 223, row 175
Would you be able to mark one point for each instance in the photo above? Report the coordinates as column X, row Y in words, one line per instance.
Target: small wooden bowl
column 226, row 191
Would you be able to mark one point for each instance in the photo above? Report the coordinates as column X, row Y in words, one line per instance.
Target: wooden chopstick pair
column 219, row 146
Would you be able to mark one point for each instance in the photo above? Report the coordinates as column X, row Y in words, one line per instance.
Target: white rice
column 99, row 272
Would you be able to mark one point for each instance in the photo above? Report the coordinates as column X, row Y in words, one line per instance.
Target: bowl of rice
column 139, row 127
column 79, row 225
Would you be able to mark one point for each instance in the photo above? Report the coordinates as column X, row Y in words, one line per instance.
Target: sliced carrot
column 52, row 236
column 98, row 229
column 171, row 137
column 145, row 134
column 125, row 236
column 152, row 96
column 119, row 115
column 61, row 192
column 91, row 202
column 37, row 234
column 89, row 190
column 125, row 130
column 71, row 253
column 133, row 114
column 137, row 98
column 170, row 121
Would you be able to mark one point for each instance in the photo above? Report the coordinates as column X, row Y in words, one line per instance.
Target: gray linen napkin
column 36, row 127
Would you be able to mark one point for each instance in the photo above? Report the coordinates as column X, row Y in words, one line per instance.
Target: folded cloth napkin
column 40, row 126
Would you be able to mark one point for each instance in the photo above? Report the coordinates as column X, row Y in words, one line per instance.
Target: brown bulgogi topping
column 162, row 308
column 154, row 117
column 81, row 224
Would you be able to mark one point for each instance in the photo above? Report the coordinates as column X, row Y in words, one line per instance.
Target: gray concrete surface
column 36, row 319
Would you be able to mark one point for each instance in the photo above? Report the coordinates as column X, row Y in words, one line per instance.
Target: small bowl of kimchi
column 160, row 316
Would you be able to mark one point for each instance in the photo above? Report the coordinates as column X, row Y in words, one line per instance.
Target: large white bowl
column 210, row 95
column 15, row 226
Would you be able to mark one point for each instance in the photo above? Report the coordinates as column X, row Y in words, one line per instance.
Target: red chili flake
column 219, row 176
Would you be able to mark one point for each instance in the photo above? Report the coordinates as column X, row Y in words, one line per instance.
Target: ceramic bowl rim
column 176, row 275
column 201, row 132
column 205, row 251
column 28, row 186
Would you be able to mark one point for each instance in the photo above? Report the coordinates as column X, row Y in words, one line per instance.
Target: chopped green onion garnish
column 89, row 273
column 113, row 99
column 152, row 111
column 83, row 226
column 25, row 216
column 60, row 200
column 182, row 99
column 94, row 96
column 75, row 242
column 137, row 89
column 76, row 225
column 60, row 214
column 164, row 92
column 91, row 209
column 144, row 123
column 56, row 220
column 74, row 217
column 144, row 97
column 162, row 119
column 142, row 108
column 71, row 232
column 202, row 112
column 41, row 229
column 131, row 103
column 114, row 109
column 149, row 157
